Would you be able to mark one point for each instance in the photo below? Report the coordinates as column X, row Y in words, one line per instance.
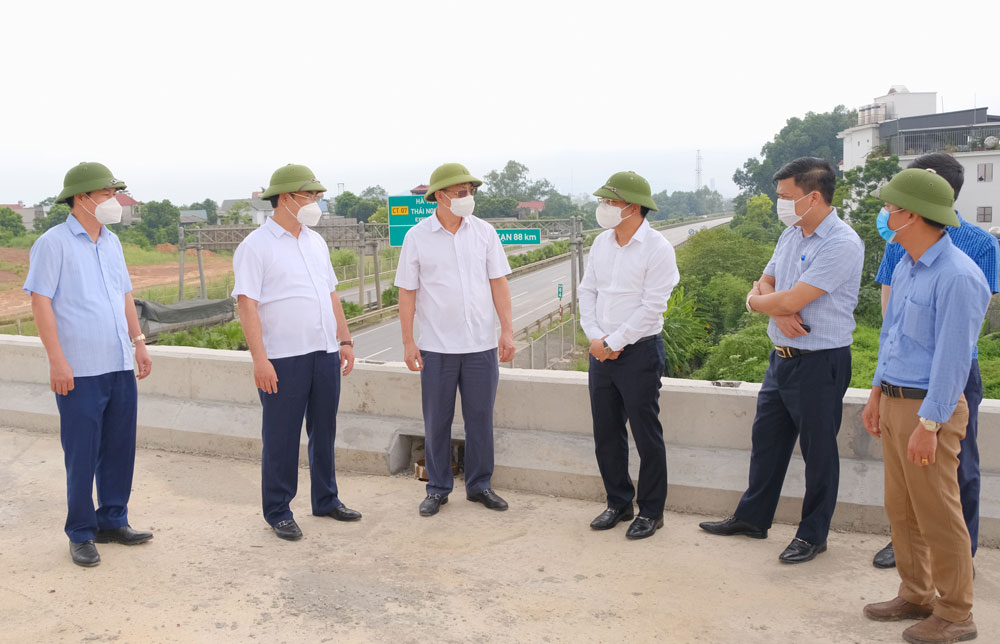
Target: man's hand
column 60, row 376
column 506, row 348
column 614, row 355
column 411, row 355
column 922, row 446
column 870, row 414
column 346, row 358
column 790, row 325
column 143, row 360
column 597, row 349
column 264, row 376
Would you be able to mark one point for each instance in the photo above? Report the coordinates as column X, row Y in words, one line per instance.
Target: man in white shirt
column 630, row 273
column 292, row 320
column 452, row 276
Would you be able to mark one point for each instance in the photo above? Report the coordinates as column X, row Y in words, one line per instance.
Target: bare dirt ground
column 14, row 301
column 215, row 573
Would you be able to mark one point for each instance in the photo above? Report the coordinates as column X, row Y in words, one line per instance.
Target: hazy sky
column 186, row 100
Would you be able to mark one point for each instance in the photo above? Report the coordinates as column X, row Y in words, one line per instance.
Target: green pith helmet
column 922, row 192
column 88, row 177
column 449, row 174
column 628, row 187
column 292, row 178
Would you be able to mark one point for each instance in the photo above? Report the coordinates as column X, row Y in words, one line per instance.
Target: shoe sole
column 503, row 509
column 84, row 564
column 896, row 618
column 884, row 566
column 749, row 535
column 99, row 539
column 799, row 561
column 289, row 537
column 614, row 523
column 961, row 638
column 336, row 518
column 430, row 514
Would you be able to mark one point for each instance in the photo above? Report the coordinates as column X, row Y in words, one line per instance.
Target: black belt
column 902, row 392
column 790, row 352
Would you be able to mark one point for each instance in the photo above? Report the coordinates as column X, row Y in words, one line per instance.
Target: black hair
column 932, row 223
column 945, row 165
column 273, row 201
column 643, row 210
column 69, row 202
column 810, row 174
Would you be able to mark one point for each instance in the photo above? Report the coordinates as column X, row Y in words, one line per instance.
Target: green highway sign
column 404, row 213
column 559, row 291
column 520, row 236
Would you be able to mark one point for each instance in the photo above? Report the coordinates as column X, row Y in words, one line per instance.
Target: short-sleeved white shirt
column 451, row 275
column 291, row 279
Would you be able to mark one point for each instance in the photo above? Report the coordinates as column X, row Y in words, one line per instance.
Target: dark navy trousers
column 801, row 398
column 968, row 457
column 308, row 386
column 628, row 388
column 97, row 428
column 476, row 376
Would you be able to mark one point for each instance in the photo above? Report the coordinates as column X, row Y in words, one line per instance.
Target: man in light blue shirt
column 917, row 408
column 81, row 298
column 982, row 248
column 809, row 289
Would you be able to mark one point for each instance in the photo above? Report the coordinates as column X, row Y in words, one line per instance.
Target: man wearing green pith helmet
column 452, row 277
column 295, row 327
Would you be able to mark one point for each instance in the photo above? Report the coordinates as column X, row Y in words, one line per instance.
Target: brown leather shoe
column 897, row 609
column 935, row 630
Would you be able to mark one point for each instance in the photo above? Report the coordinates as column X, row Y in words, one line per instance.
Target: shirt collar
column 827, row 225
column 275, row 228
column 77, row 228
column 935, row 251
column 436, row 224
column 641, row 232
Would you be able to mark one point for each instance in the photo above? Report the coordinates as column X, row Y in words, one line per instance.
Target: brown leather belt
column 902, row 392
column 790, row 352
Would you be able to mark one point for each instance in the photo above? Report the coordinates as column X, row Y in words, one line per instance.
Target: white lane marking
column 378, row 328
column 376, row 353
column 547, row 304
column 514, row 297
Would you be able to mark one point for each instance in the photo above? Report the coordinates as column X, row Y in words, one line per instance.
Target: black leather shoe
column 84, row 553
column 731, row 526
column 490, row 499
column 610, row 517
column 885, row 558
column 287, row 530
column 344, row 513
column 430, row 505
column 643, row 527
column 799, row 551
column 124, row 535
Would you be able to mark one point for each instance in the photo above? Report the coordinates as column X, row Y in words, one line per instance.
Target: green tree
column 11, row 224
column 720, row 250
column 238, row 215
column 760, row 223
column 513, row 182
column 683, row 332
column 375, row 192
column 345, row 203
column 160, row 220
column 723, row 300
column 495, row 207
column 211, row 209
column 812, row 136
column 56, row 215
column 739, row 356
column 381, row 215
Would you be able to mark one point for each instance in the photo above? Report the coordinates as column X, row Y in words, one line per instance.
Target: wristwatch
column 139, row 338
column 930, row 425
column 749, row 308
column 608, row 350
column 347, row 343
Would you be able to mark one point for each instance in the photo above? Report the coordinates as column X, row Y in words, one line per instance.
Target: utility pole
column 575, row 245
column 361, row 264
column 697, row 170
column 378, row 280
column 180, row 248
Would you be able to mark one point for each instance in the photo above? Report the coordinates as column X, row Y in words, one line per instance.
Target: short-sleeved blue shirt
column 829, row 259
column 87, row 283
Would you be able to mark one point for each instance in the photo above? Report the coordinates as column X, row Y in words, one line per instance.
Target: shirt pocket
column 918, row 324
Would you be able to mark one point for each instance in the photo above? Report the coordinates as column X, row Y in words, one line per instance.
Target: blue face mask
column 882, row 223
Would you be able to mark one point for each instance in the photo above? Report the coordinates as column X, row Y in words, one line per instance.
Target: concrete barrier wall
column 694, row 413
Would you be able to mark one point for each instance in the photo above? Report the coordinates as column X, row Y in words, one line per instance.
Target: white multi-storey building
column 908, row 125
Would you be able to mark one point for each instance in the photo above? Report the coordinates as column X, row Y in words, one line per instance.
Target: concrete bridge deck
column 215, row 574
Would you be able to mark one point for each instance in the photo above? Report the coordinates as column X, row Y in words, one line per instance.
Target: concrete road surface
column 532, row 295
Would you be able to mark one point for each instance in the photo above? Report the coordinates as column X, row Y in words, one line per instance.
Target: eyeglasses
column 311, row 196
column 462, row 192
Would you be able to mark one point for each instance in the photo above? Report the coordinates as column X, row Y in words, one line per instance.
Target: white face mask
column 609, row 216
column 107, row 212
column 786, row 211
column 308, row 214
column 462, row 206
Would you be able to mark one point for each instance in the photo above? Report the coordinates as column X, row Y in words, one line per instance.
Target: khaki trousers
column 929, row 536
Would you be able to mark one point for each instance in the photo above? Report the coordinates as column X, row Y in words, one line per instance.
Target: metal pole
column 181, row 247
column 201, row 273
column 579, row 260
column 378, row 280
column 361, row 264
column 574, row 251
